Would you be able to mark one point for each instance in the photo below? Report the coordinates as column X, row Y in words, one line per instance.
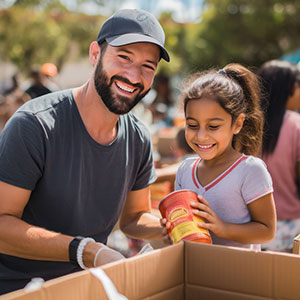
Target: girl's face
column 209, row 131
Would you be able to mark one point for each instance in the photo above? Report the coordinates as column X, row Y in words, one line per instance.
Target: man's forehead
column 140, row 47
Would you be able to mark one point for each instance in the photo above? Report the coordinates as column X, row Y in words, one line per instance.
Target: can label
column 178, row 213
column 184, row 224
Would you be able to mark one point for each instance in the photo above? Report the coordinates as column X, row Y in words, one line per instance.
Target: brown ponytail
column 249, row 140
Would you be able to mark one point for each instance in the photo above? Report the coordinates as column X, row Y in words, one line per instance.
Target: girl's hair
column 278, row 80
column 181, row 141
column 237, row 90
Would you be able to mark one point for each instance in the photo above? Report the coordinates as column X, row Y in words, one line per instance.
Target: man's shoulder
column 135, row 125
column 46, row 102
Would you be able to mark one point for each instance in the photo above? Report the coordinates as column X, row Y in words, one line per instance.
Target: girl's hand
column 213, row 222
column 166, row 225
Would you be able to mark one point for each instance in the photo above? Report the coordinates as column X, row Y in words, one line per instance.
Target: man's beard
column 116, row 104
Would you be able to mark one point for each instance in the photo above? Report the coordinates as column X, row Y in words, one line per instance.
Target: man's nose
column 134, row 74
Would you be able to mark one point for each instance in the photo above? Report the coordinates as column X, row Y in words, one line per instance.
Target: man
column 74, row 161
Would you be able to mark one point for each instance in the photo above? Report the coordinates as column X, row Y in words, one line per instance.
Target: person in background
column 37, row 87
column 224, row 127
column 281, row 147
column 49, row 70
column 182, row 149
column 12, row 98
column 75, row 161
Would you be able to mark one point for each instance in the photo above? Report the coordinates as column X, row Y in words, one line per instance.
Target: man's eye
column 149, row 67
column 124, row 57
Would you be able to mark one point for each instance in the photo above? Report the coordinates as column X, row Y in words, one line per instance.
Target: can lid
column 174, row 192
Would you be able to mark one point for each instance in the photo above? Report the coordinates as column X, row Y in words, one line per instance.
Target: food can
column 176, row 208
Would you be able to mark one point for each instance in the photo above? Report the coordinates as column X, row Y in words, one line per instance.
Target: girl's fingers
column 203, row 200
column 203, row 215
column 204, row 225
column 200, row 206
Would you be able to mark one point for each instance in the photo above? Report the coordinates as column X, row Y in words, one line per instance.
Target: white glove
column 106, row 255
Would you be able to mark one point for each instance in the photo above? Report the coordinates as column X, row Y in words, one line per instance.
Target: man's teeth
column 124, row 88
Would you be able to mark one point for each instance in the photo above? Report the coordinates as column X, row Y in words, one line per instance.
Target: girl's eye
column 192, row 126
column 214, row 127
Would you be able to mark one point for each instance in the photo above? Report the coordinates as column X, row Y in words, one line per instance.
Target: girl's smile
column 209, row 128
column 205, row 147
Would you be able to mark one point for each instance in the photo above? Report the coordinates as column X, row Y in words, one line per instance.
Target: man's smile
column 124, row 87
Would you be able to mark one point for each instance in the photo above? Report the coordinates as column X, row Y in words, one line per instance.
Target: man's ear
column 94, row 53
column 238, row 124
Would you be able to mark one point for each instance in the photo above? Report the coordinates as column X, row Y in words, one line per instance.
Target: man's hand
column 166, row 225
column 106, row 255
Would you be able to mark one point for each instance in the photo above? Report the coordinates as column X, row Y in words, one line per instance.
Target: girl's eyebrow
column 189, row 118
column 211, row 119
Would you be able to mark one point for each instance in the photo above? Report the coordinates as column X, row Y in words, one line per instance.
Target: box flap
column 193, row 292
column 151, row 273
column 175, row 293
column 286, row 276
column 229, row 268
column 21, row 295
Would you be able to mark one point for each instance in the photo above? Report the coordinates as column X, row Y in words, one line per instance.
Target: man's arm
column 21, row 239
column 137, row 221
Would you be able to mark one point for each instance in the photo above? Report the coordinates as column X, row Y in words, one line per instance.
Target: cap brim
column 131, row 38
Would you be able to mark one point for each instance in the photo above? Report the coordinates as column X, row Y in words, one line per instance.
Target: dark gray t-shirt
column 79, row 187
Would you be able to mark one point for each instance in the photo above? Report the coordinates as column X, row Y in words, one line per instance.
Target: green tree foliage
column 248, row 32
column 30, row 35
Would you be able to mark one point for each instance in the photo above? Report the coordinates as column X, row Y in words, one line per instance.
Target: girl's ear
column 238, row 124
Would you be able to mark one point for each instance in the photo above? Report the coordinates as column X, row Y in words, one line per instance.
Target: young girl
column 224, row 127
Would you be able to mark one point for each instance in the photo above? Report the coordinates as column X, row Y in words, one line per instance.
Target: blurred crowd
column 162, row 112
column 13, row 93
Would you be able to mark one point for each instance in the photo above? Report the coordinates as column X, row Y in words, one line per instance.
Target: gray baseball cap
column 129, row 26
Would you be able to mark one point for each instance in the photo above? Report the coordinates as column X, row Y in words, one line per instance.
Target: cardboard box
column 189, row 271
column 296, row 244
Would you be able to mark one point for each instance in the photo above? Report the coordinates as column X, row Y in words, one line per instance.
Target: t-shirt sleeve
column 22, row 151
column 146, row 174
column 178, row 180
column 257, row 181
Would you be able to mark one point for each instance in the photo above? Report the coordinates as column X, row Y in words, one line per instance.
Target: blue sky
column 182, row 10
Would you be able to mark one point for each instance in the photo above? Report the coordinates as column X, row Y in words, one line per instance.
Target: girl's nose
column 201, row 134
